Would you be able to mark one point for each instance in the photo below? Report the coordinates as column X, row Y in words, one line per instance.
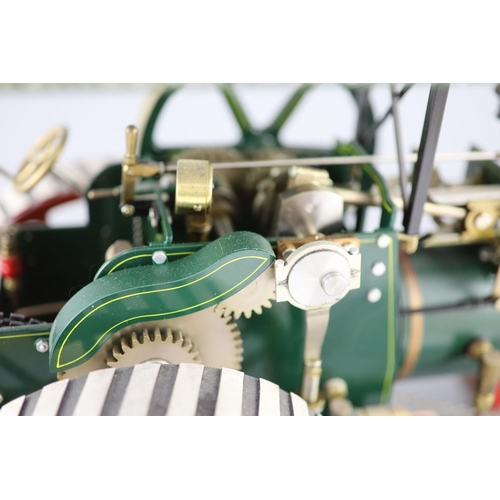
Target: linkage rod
column 424, row 166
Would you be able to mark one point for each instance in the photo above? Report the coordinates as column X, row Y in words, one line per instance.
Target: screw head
column 41, row 345
column 334, row 284
column 352, row 249
column 374, row 295
column 159, row 257
column 383, row 241
column 128, row 210
column 378, row 269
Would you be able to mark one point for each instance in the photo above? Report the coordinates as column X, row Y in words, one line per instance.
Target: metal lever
column 316, row 328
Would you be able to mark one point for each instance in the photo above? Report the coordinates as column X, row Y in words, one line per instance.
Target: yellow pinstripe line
column 145, row 255
column 40, row 334
column 391, row 359
column 59, row 365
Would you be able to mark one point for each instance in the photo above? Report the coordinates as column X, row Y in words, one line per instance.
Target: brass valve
column 489, row 373
column 131, row 169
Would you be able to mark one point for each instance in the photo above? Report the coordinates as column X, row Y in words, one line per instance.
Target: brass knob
column 131, row 134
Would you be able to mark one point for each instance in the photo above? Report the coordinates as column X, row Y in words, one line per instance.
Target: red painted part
column 496, row 404
column 11, row 266
column 39, row 211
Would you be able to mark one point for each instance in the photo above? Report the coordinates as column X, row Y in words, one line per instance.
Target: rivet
column 374, row 295
column 378, row 269
column 383, row 241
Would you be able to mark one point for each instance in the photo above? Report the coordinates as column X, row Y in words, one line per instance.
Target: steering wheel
column 40, row 159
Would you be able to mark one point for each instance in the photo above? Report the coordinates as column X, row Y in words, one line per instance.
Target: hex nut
column 159, row 257
column 41, row 345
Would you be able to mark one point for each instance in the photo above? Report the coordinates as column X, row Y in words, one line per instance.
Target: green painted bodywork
column 447, row 276
column 359, row 345
column 196, row 282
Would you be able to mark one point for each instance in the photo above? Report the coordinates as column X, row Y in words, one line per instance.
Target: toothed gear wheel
column 156, row 346
column 252, row 298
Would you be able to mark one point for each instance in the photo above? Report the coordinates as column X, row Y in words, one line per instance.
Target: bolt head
column 159, row 257
column 42, row 345
column 383, row 241
column 128, row 210
column 334, row 284
column 374, row 295
column 352, row 249
column 378, row 269
column 279, row 263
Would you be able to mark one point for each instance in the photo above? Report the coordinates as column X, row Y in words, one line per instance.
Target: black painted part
column 286, row 408
column 117, row 391
column 163, row 390
column 364, row 118
column 251, row 393
column 425, row 161
column 71, row 396
column 369, row 135
column 209, row 390
column 30, row 404
column 17, row 320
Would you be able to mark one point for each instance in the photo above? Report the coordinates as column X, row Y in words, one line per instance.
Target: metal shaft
column 351, row 160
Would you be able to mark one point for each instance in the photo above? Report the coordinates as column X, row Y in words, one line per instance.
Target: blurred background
column 198, row 115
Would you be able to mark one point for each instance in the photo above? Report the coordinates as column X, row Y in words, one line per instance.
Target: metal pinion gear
column 252, row 298
column 160, row 345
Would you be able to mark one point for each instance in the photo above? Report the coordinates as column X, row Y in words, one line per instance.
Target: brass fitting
column 488, row 375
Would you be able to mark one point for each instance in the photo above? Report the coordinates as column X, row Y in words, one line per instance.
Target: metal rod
column 399, row 145
column 426, row 156
column 351, row 160
column 371, row 131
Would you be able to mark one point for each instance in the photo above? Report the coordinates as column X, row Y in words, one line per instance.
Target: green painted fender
column 198, row 281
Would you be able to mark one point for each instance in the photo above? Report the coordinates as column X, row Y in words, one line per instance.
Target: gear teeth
column 168, row 335
column 250, row 299
column 178, row 339
column 134, row 340
column 157, row 335
column 146, row 339
column 117, row 352
column 187, row 344
column 124, row 345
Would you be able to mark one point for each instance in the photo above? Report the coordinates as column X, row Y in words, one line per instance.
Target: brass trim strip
column 416, row 320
